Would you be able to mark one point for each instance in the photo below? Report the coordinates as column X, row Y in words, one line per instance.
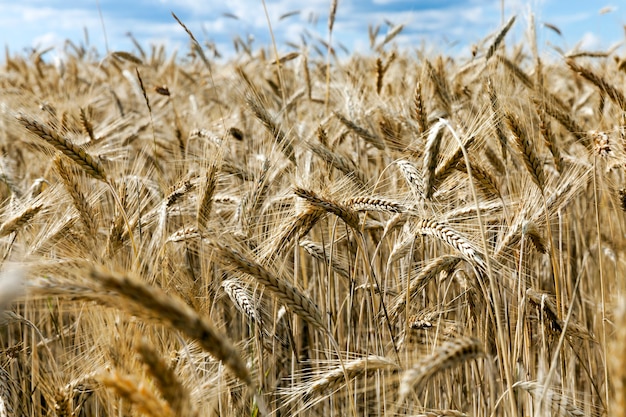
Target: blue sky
column 447, row 26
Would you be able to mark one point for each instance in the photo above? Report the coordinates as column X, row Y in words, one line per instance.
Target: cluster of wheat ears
column 392, row 234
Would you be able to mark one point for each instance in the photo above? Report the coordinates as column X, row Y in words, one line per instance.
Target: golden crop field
column 396, row 234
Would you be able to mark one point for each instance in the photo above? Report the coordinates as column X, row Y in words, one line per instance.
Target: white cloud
column 590, row 41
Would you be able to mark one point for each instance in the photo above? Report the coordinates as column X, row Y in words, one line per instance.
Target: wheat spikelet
column 616, row 95
column 137, row 394
column 499, row 38
column 180, row 317
column 320, row 253
column 431, row 152
column 559, row 403
column 413, row 177
column 299, row 303
column 344, row 213
column 451, row 237
column 418, row 283
column 420, row 112
column 333, row 379
column 206, row 199
column 78, row 198
column 88, row 163
column 171, row 388
column 340, row 162
column 375, row 204
column 451, row 353
column 363, row 133
column 242, row 301
column 532, row 163
column 15, row 223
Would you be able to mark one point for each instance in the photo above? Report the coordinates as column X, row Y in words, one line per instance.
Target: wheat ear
column 206, row 198
column 270, row 124
column 448, row 166
column 431, row 152
column 138, row 395
column 559, row 403
column 446, row 356
column 320, row 253
column 499, row 38
column 17, row 222
column 531, row 161
column 172, row 389
column 363, row 133
column 413, row 177
column 425, row 275
column 333, row 379
column 420, row 112
column 451, row 237
column 77, row 154
column 616, row 95
column 375, row 204
column 485, row 180
column 299, row 303
column 81, row 204
column 180, row 317
column 242, row 301
column 340, row 162
column 349, row 216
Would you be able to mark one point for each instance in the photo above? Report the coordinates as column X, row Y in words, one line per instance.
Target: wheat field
column 394, row 234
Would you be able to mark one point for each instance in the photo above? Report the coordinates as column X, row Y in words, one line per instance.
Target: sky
column 445, row 26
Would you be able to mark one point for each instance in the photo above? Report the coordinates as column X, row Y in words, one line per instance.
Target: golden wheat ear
column 84, row 160
column 451, row 353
